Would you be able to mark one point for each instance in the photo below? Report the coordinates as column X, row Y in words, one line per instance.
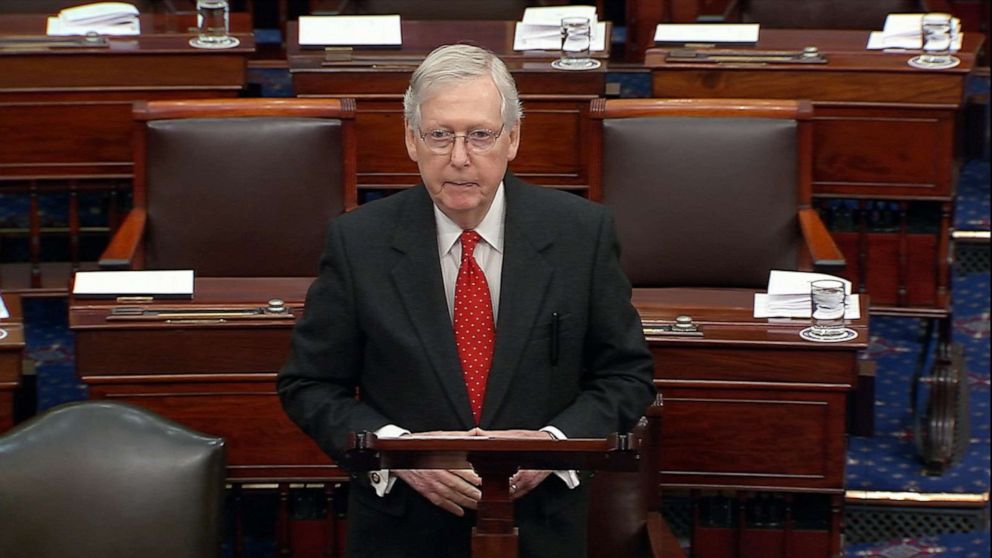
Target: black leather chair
column 53, row 6
column 432, row 9
column 822, row 14
column 99, row 479
column 236, row 187
column 709, row 193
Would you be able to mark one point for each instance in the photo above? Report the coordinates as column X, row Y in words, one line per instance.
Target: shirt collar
column 490, row 229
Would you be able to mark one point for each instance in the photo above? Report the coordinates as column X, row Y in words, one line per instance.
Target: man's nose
column 459, row 152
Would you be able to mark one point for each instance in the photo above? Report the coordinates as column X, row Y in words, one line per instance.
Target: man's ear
column 514, row 141
column 411, row 141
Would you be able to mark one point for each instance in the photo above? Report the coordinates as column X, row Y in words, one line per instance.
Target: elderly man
column 471, row 304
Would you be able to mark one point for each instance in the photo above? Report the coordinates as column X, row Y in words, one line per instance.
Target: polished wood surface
column 214, row 375
column 11, row 358
column 218, row 376
column 882, row 131
column 749, row 404
column 70, row 108
column 555, row 101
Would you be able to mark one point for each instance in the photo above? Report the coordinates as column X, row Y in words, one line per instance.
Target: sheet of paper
column 60, row 28
column 706, row 33
column 4, row 313
column 529, row 36
column 372, row 30
column 171, row 283
column 552, row 15
column 902, row 31
column 764, row 309
column 797, row 282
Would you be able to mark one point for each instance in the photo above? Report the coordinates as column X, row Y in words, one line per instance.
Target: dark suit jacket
column 376, row 319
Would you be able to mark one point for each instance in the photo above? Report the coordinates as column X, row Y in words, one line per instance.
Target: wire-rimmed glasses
column 479, row 140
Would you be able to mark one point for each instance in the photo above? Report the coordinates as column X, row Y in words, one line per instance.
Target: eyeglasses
column 476, row 141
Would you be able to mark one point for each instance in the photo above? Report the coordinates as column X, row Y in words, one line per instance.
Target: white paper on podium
column 372, row 30
column 902, row 31
column 788, row 296
column 540, row 28
column 4, row 313
column 706, row 33
column 543, row 37
column 172, row 283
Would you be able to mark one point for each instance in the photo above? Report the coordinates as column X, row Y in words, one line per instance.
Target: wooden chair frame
column 819, row 249
column 126, row 249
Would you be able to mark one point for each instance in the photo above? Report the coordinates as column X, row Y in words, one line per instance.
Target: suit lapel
column 526, row 276
column 417, row 276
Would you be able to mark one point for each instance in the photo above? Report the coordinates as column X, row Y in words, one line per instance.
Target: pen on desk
column 554, row 338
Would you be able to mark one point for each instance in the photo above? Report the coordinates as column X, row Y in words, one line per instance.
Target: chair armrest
column 821, row 246
column 126, row 242
column 660, row 538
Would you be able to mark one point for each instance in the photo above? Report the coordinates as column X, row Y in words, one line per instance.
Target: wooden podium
column 495, row 460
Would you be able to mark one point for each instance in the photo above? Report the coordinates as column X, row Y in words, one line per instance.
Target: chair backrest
column 705, row 192
column 242, row 187
column 434, row 9
column 825, row 14
column 109, row 480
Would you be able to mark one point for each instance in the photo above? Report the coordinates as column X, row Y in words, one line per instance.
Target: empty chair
column 236, row 187
column 823, row 14
column 709, row 193
column 100, row 479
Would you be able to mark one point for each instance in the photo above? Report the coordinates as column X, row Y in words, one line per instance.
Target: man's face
column 462, row 182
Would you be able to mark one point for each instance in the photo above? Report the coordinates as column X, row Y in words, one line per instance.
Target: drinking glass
column 827, row 299
column 213, row 25
column 576, row 44
column 938, row 34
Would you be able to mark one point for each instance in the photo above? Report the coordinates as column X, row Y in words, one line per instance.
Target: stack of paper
column 108, row 284
column 904, row 31
column 541, row 28
column 716, row 33
column 788, row 296
column 367, row 30
column 105, row 18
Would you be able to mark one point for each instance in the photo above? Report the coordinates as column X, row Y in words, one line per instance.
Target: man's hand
column 452, row 490
column 524, row 480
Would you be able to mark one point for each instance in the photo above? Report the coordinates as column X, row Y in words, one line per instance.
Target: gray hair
column 456, row 63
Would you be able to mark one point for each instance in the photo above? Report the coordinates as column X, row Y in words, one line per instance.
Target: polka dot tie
column 474, row 329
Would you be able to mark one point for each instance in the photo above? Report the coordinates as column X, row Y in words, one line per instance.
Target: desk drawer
column 775, row 436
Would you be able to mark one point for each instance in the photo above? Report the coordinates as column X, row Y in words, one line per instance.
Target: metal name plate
column 809, row 55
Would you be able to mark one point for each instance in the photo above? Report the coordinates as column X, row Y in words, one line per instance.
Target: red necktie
column 474, row 330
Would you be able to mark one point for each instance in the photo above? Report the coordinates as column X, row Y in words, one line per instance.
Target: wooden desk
column 11, row 358
column 213, row 375
column 882, row 131
column 750, row 406
column 555, row 101
column 65, row 114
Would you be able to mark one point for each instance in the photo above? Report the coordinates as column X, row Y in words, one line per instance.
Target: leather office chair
column 236, row 187
column 100, row 479
column 624, row 521
column 709, row 193
column 823, row 14
column 53, row 6
column 432, row 9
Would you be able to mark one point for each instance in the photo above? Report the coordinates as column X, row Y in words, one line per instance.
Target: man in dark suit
column 472, row 304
